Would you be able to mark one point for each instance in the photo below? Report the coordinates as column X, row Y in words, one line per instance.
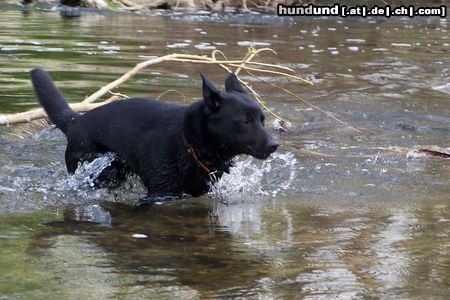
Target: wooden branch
column 39, row 113
column 33, row 114
column 185, row 58
column 250, row 55
column 243, row 64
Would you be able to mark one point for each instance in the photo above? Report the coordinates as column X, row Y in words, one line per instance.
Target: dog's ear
column 232, row 84
column 211, row 94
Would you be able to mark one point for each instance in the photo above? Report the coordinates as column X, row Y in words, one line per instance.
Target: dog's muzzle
column 270, row 147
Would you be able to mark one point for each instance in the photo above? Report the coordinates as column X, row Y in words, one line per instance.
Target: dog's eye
column 262, row 120
column 248, row 120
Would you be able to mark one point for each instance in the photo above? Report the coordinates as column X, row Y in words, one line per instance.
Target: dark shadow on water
column 181, row 239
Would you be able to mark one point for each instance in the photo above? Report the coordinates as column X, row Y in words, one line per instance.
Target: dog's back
column 128, row 128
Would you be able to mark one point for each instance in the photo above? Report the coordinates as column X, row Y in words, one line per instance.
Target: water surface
column 334, row 214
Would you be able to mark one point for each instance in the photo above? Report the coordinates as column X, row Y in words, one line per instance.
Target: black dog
column 174, row 149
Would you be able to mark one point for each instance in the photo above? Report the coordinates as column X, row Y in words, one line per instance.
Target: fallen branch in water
column 39, row 113
column 415, row 152
column 243, row 64
column 195, row 59
column 226, row 64
column 421, row 151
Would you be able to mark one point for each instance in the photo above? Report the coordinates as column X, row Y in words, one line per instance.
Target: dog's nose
column 272, row 146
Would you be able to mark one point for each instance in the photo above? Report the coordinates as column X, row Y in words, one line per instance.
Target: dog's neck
column 194, row 157
column 205, row 152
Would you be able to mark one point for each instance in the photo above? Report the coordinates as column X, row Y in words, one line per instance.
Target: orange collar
column 191, row 151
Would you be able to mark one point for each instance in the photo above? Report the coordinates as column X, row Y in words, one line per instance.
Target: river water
column 335, row 214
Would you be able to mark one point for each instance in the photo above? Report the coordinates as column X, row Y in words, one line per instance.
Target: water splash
column 252, row 179
column 249, row 178
column 87, row 172
column 28, row 187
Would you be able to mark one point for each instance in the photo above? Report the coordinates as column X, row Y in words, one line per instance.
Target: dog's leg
column 73, row 157
column 112, row 176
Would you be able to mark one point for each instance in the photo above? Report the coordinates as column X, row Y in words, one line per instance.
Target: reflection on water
column 201, row 248
column 334, row 214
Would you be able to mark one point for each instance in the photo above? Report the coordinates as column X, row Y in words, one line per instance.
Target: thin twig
column 305, row 101
column 119, row 95
column 248, row 86
column 276, row 73
column 250, row 55
column 213, row 55
column 171, row 91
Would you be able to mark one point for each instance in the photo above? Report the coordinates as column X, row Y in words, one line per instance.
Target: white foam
column 249, row 178
column 87, row 172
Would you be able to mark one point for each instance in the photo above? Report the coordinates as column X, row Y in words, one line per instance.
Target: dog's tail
column 52, row 100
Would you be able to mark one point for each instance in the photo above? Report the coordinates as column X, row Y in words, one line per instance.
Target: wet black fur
column 151, row 138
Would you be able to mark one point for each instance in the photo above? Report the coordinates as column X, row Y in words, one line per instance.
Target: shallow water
column 334, row 214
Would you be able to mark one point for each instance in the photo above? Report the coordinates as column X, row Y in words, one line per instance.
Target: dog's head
column 235, row 120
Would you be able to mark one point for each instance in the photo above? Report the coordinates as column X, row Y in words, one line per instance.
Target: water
column 334, row 214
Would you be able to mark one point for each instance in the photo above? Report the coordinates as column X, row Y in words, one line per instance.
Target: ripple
column 253, row 44
column 178, row 45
